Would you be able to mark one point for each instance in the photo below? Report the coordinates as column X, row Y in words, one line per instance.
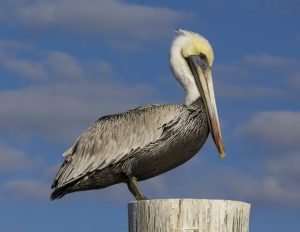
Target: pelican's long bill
column 203, row 78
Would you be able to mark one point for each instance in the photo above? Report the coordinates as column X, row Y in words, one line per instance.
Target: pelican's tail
column 57, row 193
column 63, row 190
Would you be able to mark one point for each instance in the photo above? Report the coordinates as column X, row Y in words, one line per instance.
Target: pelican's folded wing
column 112, row 138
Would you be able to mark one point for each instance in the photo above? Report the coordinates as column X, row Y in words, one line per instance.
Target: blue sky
column 63, row 64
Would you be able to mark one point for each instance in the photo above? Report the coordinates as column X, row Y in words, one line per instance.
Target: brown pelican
column 147, row 141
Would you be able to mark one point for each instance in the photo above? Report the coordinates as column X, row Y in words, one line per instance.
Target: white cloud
column 15, row 163
column 23, row 67
column 106, row 18
column 286, row 166
column 275, row 136
column 294, row 81
column 235, row 71
column 279, row 129
column 25, row 190
column 38, row 65
column 70, row 97
column 271, row 62
column 63, row 65
column 48, row 65
column 266, row 189
column 273, row 182
column 237, row 92
column 260, row 76
column 12, row 159
column 99, row 69
column 2, row 15
column 59, row 112
column 255, row 67
column 15, row 45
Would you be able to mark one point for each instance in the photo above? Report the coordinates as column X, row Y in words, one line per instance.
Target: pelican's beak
column 203, row 78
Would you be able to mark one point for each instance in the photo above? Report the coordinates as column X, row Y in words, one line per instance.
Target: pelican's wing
column 114, row 137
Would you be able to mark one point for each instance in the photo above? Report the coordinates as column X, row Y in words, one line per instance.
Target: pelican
column 147, row 141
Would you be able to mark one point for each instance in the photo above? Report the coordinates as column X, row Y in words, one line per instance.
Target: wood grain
column 188, row 215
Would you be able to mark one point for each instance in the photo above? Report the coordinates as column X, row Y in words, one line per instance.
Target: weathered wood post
column 188, row 215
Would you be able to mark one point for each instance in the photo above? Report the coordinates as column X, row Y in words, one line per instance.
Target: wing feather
column 112, row 138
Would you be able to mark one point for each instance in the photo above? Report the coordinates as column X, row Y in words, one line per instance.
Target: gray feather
column 111, row 139
column 143, row 142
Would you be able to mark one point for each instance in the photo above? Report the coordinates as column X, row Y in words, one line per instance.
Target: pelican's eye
column 203, row 56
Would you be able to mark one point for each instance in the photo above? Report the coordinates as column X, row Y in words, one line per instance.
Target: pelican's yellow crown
column 195, row 45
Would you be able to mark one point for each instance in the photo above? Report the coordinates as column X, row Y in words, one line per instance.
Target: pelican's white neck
column 182, row 71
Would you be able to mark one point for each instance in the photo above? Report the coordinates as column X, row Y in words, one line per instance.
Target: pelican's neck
column 182, row 72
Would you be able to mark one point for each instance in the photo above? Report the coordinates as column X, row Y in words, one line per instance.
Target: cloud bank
column 278, row 129
column 112, row 18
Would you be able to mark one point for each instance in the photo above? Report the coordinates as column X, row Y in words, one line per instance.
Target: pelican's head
column 191, row 59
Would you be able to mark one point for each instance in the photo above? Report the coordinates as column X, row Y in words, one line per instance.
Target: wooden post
column 188, row 215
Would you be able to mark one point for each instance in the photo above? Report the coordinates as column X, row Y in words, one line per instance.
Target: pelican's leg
column 135, row 189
